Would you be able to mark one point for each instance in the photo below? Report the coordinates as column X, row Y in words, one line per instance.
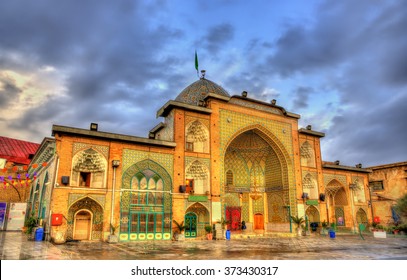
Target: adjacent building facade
column 214, row 157
column 387, row 183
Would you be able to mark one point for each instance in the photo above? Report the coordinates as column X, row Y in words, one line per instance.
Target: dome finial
column 203, row 72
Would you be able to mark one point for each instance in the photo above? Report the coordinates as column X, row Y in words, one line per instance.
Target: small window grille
column 376, row 185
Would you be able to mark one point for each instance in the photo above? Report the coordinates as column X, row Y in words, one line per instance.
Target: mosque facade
column 215, row 157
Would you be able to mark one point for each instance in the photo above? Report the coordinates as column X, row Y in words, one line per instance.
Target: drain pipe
column 289, row 217
column 115, row 164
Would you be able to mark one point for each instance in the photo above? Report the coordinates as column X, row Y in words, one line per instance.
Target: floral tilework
column 77, row 146
column 131, row 157
column 329, row 177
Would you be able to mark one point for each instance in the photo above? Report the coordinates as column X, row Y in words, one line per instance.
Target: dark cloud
column 217, row 37
column 344, row 32
column 108, row 51
column 357, row 49
column 301, row 97
column 373, row 136
column 8, row 91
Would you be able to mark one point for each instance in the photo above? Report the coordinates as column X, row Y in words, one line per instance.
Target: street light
column 352, row 187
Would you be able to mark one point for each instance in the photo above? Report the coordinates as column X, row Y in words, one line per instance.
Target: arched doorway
column 258, row 221
column 313, row 214
column 191, row 222
column 361, row 217
column 82, row 225
column 337, row 200
column 202, row 219
column 85, row 208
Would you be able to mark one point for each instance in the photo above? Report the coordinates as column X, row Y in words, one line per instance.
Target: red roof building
column 17, row 151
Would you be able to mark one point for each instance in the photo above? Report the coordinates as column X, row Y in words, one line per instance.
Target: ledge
column 164, row 110
column 110, row 136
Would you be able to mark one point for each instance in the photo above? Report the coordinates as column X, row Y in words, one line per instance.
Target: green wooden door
column 190, row 225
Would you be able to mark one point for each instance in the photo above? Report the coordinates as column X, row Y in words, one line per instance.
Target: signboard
column 16, row 216
column 312, row 202
column 197, row 198
column 3, row 207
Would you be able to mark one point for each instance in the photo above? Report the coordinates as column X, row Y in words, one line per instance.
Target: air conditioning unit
column 65, row 180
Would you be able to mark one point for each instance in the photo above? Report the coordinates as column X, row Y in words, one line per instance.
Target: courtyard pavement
column 15, row 246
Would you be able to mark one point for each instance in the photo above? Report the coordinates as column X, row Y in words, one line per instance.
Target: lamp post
column 371, row 202
column 352, row 187
column 115, row 164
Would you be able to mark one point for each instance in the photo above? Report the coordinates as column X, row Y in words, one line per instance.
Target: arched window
column 199, row 174
column 88, row 169
column 340, row 216
column 229, row 178
column 359, row 192
column 307, row 155
column 42, row 207
column 309, row 186
column 35, row 207
column 197, row 137
column 147, row 204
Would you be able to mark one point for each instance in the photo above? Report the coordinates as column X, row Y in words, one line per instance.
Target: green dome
column 198, row 90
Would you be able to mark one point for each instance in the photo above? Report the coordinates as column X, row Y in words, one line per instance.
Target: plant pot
column 179, row 236
column 59, row 237
column 112, row 238
column 209, row 236
column 379, row 234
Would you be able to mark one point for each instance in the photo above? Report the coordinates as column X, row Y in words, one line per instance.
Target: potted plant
column 208, row 229
column 179, row 231
column 30, row 224
column 113, row 238
column 314, row 226
column 298, row 221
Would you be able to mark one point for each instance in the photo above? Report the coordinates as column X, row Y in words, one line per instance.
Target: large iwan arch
column 262, row 186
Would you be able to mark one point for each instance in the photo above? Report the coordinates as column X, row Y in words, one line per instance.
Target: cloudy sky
column 341, row 65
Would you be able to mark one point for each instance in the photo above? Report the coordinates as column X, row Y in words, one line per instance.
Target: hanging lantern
column 25, row 167
column 15, row 168
column 35, row 165
column 44, row 164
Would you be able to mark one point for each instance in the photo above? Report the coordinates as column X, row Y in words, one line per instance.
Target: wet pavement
column 15, row 246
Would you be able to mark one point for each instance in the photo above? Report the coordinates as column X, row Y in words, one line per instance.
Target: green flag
column 196, row 61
